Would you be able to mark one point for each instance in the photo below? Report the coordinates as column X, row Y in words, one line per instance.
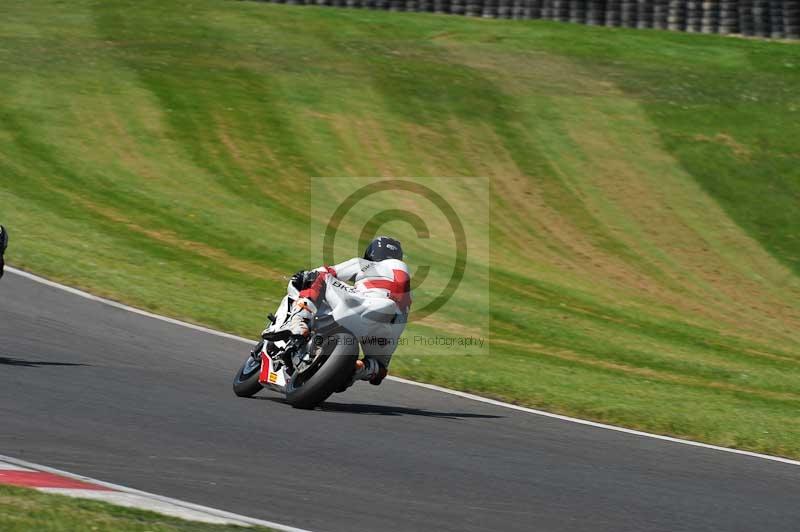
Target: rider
column 3, row 245
column 375, row 309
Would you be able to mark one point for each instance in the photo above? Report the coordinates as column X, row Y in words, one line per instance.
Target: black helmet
column 382, row 248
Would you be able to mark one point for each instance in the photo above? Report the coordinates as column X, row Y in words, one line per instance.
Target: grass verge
column 24, row 510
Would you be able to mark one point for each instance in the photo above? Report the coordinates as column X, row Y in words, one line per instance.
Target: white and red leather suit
column 374, row 309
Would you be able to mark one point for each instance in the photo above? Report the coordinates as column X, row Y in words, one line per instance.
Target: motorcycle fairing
column 268, row 377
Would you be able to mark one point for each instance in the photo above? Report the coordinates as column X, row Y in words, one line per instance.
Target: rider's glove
column 303, row 279
column 297, row 280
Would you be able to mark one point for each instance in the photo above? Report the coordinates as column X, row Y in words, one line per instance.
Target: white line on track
column 464, row 395
column 158, row 502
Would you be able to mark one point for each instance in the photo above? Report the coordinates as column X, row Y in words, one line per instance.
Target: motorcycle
column 307, row 370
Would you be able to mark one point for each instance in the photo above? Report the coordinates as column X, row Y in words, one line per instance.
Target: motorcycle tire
column 245, row 383
column 335, row 372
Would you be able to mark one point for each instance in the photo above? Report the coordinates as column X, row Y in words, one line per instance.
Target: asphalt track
column 132, row 400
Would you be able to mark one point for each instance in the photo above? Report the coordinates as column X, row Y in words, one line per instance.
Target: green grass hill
column 641, row 220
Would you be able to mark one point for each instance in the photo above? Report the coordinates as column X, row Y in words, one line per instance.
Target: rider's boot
column 370, row 370
column 377, row 379
column 300, row 316
column 303, row 311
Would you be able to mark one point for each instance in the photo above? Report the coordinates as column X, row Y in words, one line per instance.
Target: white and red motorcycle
column 306, row 369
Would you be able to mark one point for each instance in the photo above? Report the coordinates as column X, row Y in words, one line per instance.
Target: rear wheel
column 338, row 360
column 245, row 383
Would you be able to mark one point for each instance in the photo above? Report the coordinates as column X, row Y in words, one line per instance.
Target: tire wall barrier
column 775, row 19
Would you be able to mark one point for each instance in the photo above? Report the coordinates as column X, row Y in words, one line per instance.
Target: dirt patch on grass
column 112, row 141
column 739, row 150
column 252, row 158
column 524, row 73
column 679, row 249
column 365, row 143
column 632, row 183
column 551, row 230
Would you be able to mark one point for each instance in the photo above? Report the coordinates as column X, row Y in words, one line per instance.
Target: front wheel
column 340, row 353
column 245, row 383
